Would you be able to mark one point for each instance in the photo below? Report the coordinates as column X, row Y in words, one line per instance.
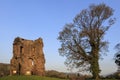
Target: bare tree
column 82, row 40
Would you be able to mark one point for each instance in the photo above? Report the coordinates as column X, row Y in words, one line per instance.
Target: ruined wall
column 28, row 57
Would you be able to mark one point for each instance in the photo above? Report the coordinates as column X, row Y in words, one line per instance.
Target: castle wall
column 28, row 57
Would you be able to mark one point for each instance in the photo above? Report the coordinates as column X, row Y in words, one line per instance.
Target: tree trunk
column 95, row 64
column 95, row 69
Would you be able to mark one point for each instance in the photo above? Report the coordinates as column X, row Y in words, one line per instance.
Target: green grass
column 103, row 79
column 35, row 78
column 28, row 78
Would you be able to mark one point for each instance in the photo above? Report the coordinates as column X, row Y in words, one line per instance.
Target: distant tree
column 82, row 40
column 117, row 55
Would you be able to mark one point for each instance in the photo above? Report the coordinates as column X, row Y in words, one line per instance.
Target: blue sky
column 31, row 19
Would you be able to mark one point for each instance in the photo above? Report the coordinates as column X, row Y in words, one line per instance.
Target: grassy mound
column 28, row 78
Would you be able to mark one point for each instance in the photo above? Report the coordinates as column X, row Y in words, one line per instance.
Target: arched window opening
column 21, row 49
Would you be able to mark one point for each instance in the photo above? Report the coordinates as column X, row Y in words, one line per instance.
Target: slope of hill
column 4, row 69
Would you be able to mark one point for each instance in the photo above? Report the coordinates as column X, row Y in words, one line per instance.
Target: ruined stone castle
column 28, row 57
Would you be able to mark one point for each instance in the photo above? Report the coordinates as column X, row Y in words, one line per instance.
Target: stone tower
column 28, row 57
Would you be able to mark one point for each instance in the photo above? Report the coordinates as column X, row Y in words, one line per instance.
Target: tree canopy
column 82, row 40
column 117, row 55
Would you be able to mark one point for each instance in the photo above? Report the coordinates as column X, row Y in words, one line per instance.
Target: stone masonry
column 28, row 57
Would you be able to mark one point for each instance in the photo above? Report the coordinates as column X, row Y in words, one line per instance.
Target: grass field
column 36, row 78
column 28, row 78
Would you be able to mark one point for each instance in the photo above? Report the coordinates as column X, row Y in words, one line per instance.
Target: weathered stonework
column 28, row 57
